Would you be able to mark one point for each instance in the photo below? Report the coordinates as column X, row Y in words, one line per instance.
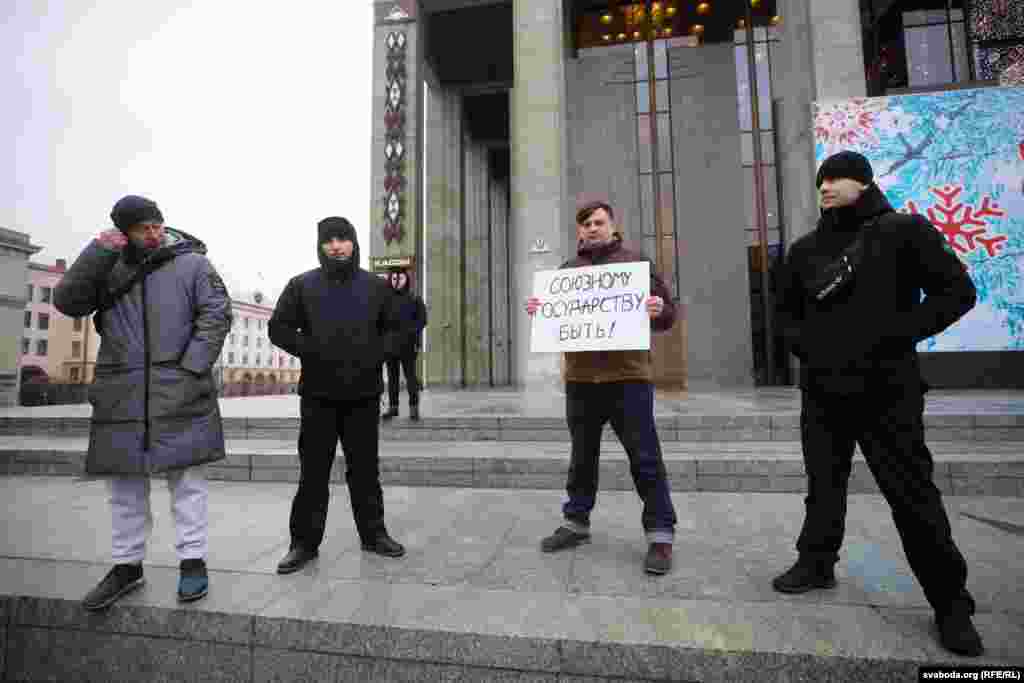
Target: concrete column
column 443, row 243
column 793, row 89
column 838, row 49
column 602, row 134
column 15, row 251
column 714, row 286
column 478, row 310
column 819, row 57
column 538, row 146
column 499, row 284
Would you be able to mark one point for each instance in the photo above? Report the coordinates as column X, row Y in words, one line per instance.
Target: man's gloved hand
column 112, row 239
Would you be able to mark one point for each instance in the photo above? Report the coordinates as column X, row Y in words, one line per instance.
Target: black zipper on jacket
column 145, row 350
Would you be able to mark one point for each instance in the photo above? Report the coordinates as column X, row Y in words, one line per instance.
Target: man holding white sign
column 599, row 309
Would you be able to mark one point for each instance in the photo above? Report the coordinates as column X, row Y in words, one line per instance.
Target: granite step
column 986, row 468
column 759, row 427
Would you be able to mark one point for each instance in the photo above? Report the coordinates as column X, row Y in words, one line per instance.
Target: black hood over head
column 407, row 287
column 337, row 227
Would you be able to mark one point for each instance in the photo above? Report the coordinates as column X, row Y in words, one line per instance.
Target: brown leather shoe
column 659, row 558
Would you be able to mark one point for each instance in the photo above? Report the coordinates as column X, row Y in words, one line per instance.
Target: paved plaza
column 475, row 599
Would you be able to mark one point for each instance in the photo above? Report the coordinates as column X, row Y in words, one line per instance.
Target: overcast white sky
column 247, row 122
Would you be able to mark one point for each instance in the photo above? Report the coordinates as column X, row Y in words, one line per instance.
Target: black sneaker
column 414, row 413
column 562, row 539
column 296, row 559
column 958, row 635
column 193, row 583
column 384, row 545
column 390, row 414
column 119, row 581
column 804, row 576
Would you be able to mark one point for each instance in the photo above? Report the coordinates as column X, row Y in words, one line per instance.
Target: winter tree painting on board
column 957, row 158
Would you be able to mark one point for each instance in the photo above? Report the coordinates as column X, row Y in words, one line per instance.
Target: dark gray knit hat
column 133, row 209
column 846, row 164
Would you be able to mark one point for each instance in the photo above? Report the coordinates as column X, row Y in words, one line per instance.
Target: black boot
column 805, row 575
column 414, row 413
column 392, row 413
column 957, row 634
column 382, row 544
column 297, row 558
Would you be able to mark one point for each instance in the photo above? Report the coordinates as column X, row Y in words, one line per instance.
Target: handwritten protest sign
column 596, row 308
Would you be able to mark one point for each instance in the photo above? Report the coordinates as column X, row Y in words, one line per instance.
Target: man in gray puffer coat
column 163, row 313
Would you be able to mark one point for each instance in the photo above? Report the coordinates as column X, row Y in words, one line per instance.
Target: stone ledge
column 448, row 633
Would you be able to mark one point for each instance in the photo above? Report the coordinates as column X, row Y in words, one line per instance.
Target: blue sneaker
column 193, row 583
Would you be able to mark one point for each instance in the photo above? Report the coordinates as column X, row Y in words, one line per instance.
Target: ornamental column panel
column 396, row 159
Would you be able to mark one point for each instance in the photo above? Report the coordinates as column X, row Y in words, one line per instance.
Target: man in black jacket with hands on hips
column 342, row 322
column 850, row 306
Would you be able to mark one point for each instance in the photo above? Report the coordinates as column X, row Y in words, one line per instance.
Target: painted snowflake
column 848, row 124
column 964, row 226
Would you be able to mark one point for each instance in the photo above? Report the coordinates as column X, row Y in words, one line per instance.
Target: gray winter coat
column 154, row 398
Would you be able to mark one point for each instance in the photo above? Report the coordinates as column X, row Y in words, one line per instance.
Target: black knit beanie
column 335, row 226
column 846, row 165
column 133, row 209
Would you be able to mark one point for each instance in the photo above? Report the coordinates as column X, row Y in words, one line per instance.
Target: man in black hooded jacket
column 342, row 322
column 414, row 318
column 855, row 328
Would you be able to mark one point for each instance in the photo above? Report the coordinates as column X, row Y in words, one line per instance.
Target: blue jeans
column 629, row 406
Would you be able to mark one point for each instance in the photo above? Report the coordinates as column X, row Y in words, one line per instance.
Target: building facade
column 52, row 344
column 15, row 250
column 249, row 364
column 492, row 119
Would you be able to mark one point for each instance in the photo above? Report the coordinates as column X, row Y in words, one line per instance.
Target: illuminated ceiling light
column 670, row 11
column 606, row 18
column 607, row 36
column 756, row 4
column 621, row 36
column 776, row 20
column 697, row 29
column 742, row 23
column 636, row 35
column 703, row 8
column 656, row 7
column 667, row 30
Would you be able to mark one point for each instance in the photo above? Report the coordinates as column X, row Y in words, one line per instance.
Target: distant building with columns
column 249, row 364
column 491, row 119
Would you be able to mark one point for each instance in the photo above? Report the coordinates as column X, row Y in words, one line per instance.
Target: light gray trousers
column 132, row 517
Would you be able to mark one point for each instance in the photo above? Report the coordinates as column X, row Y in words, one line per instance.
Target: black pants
column 323, row 423
column 629, row 406
column 407, row 361
column 886, row 419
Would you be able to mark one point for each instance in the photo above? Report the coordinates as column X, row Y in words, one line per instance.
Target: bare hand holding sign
column 596, row 308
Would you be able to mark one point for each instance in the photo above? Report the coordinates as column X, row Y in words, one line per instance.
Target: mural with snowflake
column 956, row 158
